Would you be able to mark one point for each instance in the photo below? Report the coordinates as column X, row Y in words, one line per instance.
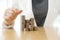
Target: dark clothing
column 40, row 9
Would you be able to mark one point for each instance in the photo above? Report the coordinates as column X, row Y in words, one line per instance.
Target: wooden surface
column 11, row 34
column 34, row 35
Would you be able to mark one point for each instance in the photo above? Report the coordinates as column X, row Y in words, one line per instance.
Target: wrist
column 8, row 25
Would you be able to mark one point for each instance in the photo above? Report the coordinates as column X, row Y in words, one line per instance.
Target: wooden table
column 34, row 35
column 11, row 34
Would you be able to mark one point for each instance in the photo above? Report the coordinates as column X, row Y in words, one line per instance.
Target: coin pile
column 28, row 25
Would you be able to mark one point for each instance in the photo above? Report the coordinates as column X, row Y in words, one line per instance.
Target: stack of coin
column 23, row 22
column 28, row 25
column 31, row 24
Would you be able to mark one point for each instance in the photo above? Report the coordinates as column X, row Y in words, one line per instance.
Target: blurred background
column 49, row 19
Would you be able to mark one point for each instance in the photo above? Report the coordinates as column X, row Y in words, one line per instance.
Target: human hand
column 10, row 15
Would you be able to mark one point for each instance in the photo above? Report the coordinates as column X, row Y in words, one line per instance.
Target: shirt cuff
column 8, row 26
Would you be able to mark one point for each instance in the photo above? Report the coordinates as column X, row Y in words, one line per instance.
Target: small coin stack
column 23, row 22
column 28, row 25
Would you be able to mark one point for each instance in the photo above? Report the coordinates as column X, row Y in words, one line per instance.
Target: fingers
column 8, row 13
column 11, row 14
column 18, row 12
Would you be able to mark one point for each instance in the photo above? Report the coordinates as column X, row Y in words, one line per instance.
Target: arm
column 10, row 15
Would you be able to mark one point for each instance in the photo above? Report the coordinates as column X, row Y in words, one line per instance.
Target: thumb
column 18, row 12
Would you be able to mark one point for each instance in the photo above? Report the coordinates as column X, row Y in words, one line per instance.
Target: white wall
column 53, row 12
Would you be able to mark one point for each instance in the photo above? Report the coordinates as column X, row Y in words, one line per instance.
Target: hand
column 10, row 15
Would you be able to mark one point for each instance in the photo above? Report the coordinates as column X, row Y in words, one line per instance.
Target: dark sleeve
column 40, row 8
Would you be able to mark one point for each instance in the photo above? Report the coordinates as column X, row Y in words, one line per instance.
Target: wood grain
column 11, row 34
